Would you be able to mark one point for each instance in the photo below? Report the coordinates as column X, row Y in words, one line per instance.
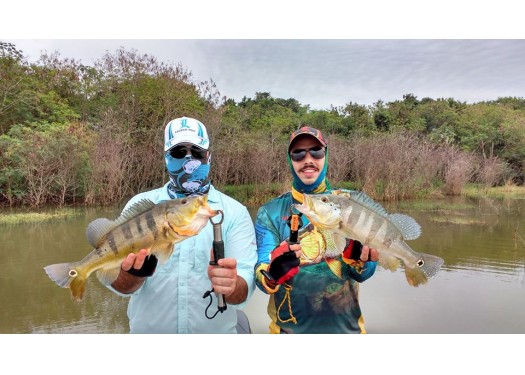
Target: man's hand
column 369, row 255
column 224, row 276
column 140, row 264
column 128, row 280
column 356, row 251
column 284, row 263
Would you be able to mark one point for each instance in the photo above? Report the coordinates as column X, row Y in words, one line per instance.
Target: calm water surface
column 480, row 289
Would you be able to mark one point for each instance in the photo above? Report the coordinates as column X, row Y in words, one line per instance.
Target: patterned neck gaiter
column 188, row 176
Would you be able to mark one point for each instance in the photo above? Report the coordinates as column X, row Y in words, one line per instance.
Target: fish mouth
column 306, row 207
column 204, row 209
column 317, row 218
column 209, row 212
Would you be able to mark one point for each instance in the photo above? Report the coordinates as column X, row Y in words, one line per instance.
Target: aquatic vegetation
column 456, row 220
column 36, row 217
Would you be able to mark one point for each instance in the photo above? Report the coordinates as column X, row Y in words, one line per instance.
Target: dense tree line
column 71, row 133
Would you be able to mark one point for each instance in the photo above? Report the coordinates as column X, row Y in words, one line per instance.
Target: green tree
column 17, row 96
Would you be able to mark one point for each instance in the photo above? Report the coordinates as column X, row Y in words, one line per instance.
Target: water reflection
column 480, row 289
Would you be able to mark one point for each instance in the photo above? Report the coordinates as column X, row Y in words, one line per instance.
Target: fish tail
column 78, row 287
column 425, row 268
column 67, row 276
column 415, row 276
column 60, row 273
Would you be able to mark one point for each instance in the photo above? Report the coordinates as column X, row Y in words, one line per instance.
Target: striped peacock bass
column 144, row 225
column 357, row 216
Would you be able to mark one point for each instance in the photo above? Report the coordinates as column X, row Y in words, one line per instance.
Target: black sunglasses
column 300, row 154
column 180, row 152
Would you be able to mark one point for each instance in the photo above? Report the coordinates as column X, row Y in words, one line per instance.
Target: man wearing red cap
column 313, row 288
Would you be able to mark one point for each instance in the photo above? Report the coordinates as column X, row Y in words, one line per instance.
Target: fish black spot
column 126, row 229
column 420, row 263
column 112, row 244
column 139, row 227
column 150, row 221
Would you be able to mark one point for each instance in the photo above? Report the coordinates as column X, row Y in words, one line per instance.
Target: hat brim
column 194, row 140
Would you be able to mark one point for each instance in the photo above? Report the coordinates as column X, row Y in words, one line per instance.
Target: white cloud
column 329, row 72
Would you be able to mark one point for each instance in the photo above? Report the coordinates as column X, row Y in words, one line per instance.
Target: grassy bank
column 506, row 191
column 36, row 217
column 257, row 195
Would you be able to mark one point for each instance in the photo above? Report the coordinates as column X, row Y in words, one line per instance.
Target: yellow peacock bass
column 144, row 225
column 358, row 217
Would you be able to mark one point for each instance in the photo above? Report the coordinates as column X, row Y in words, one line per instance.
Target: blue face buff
column 188, row 175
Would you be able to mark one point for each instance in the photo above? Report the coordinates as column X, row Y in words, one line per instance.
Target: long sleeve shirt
column 171, row 301
column 324, row 295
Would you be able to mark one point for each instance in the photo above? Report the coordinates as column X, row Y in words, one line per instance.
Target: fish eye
column 324, row 199
column 420, row 263
column 183, row 201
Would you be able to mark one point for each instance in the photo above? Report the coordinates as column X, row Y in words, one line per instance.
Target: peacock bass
column 144, row 225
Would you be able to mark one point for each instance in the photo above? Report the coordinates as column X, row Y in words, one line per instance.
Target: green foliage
column 46, row 161
column 17, row 96
column 277, row 117
column 75, row 133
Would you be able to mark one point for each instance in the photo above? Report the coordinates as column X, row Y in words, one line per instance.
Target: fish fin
column 107, row 275
column 78, row 287
column 313, row 246
column 426, row 267
column 335, row 266
column 369, row 203
column 343, row 192
column 389, row 262
column 339, row 242
column 66, row 276
column 97, row 229
column 102, row 226
column 134, row 210
column 415, row 276
column 409, row 228
column 162, row 251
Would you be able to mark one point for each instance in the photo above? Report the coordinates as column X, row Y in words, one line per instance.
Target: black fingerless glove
column 148, row 268
column 353, row 250
column 284, row 264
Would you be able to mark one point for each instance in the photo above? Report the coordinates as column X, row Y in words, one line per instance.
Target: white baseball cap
column 185, row 130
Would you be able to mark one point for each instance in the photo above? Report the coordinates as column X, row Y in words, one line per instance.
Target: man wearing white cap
column 168, row 298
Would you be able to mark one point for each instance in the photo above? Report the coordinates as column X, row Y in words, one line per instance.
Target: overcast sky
column 320, row 55
column 328, row 72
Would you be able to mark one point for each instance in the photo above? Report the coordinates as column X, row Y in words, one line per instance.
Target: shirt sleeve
column 239, row 243
column 361, row 271
column 267, row 239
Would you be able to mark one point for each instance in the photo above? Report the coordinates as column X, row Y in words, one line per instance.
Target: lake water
column 480, row 288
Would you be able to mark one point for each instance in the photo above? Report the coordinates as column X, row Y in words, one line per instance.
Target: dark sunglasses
column 300, row 154
column 180, row 152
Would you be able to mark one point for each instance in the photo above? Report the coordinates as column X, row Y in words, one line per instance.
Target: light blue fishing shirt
column 171, row 301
